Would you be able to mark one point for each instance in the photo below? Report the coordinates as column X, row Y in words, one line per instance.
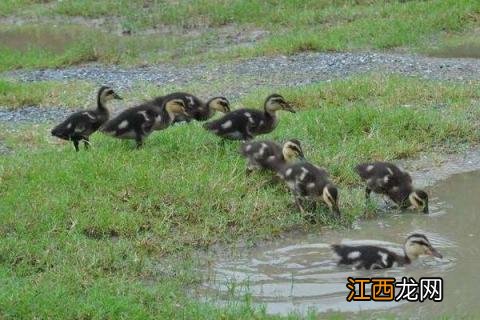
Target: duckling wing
column 364, row 257
column 265, row 153
column 378, row 175
column 139, row 119
column 82, row 124
column 234, row 125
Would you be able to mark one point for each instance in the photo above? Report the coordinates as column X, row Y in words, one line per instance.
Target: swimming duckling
column 196, row 108
column 269, row 155
column 244, row 124
column 386, row 178
column 80, row 125
column 375, row 257
column 138, row 122
column 307, row 181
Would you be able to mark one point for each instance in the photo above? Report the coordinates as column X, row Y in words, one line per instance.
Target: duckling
column 386, row 178
column 269, row 155
column 138, row 122
column 196, row 108
column 244, row 124
column 80, row 125
column 375, row 257
column 308, row 181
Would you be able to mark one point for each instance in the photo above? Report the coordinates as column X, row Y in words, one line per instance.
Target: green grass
column 46, row 93
column 192, row 31
column 111, row 232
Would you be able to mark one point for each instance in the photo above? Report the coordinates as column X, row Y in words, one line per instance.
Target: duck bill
column 116, row 96
column 435, row 253
column 425, row 209
column 289, row 108
column 336, row 210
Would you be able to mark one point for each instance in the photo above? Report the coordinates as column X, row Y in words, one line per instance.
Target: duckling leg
column 139, row 141
column 251, row 166
column 298, row 203
column 86, row 143
column 247, row 137
column 367, row 193
column 75, row 144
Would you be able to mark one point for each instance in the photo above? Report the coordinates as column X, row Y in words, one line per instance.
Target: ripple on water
column 299, row 274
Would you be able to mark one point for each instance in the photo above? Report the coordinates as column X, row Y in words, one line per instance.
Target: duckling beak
column 116, row 96
column 435, row 253
column 425, row 209
column 289, row 107
column 336, row 210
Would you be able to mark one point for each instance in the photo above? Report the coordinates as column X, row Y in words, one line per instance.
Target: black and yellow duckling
column 374, row 257
column 138, row 122
column 307, row 181
column 245, row 124
column 270, row 155
column 387, row 179
column 196, row 108
column 80, row 125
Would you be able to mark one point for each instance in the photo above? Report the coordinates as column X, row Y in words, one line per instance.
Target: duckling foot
column 310, row 217
column 312, row 206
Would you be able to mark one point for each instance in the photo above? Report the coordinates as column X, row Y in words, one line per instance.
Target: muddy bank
column 429, row 169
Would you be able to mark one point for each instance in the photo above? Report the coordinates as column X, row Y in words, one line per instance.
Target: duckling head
column 417, row 245
column 106, row 94
column 275, row 102
column 330, row 197
column 176, row 106
column 220, row 104
column 292, row 150
column 419, row 200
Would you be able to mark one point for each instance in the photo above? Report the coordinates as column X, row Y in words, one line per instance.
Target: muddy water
column 298, row 274
column 49, row 39
column 466, row 50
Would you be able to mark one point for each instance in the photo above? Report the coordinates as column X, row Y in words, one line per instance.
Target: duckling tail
column 335, row 247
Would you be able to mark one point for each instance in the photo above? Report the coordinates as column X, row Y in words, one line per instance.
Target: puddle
column 298, row 274
column 49, row 38
column 464, row 50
